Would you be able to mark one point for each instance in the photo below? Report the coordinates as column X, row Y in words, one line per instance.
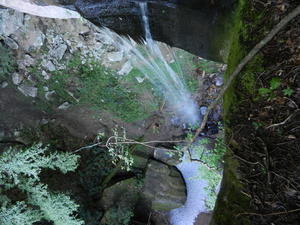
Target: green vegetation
column 211, row 168
column 7, row 64
column 96, row 86
column 288, row 91
column 19, row 171
column 275, row 83
column 120, row 214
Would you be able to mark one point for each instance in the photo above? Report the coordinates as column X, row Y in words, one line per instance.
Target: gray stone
column 17, row 78
column 10, row 21
column 49, row 95
column 126, row 68
column 28, row 90
column 140, row 79
column 175, row 121
column 58, row 52
column 34, row 40
column 203, row 110
column 219, row 81
column 28, row 60
column 115, row 56
column 45, row 75
column 164, row 187
column 49, row 66
column 11, row 43
column 167, row 156
column 64, row 106
column 124, row 191
column 4, row 84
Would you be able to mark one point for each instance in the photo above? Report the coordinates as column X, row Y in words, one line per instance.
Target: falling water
column 176, row 92
column 149, row 59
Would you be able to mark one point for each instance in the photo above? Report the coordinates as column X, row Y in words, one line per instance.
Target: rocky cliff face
column 196, row 26
column 200, row 27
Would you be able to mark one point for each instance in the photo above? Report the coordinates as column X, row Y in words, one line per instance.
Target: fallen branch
column 269, row 214
column 283, row 122
column 238, row 69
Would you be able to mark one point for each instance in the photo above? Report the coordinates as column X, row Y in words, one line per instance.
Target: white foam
column 196, row 195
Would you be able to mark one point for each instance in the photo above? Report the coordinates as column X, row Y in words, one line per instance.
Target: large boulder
column 164, row 187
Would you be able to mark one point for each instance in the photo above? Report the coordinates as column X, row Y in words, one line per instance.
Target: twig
column 129, row 141
column 269, row 214
column 244, row 160
column 266, row 159
column 283, row 122
column 238, row 69
column 148, row 222
column 294, row 103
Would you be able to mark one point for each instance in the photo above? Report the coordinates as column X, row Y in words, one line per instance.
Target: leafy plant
column 120, row 151
column 275, row 83
column 21, row 169
column 288, row 91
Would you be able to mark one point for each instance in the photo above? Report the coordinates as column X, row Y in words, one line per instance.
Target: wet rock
column 219, row 81
column 115, row 56
column 164, row 187
column 198, row 23
column 28, row 90
column 11, row 43
column 4, row 84
column 59, row 52
column 64, row 106
column 175, row 121
column 203, row 110
column 17, row 78
column 167, row 156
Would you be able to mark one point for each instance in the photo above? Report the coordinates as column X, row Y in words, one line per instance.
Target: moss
column 230, row 201
column 247, row 21
column 95, row 86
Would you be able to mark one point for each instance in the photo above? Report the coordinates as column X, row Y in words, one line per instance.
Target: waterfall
column 149, row 60
column 176, row 91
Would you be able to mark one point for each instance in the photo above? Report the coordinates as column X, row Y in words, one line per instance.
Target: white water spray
column 149, row 59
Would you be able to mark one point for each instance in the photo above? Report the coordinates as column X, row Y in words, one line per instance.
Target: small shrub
column 6, row 61
column 118, row 215
column 20, row 169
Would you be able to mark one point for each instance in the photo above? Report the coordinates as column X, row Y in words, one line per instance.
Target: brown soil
column 265, row 135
